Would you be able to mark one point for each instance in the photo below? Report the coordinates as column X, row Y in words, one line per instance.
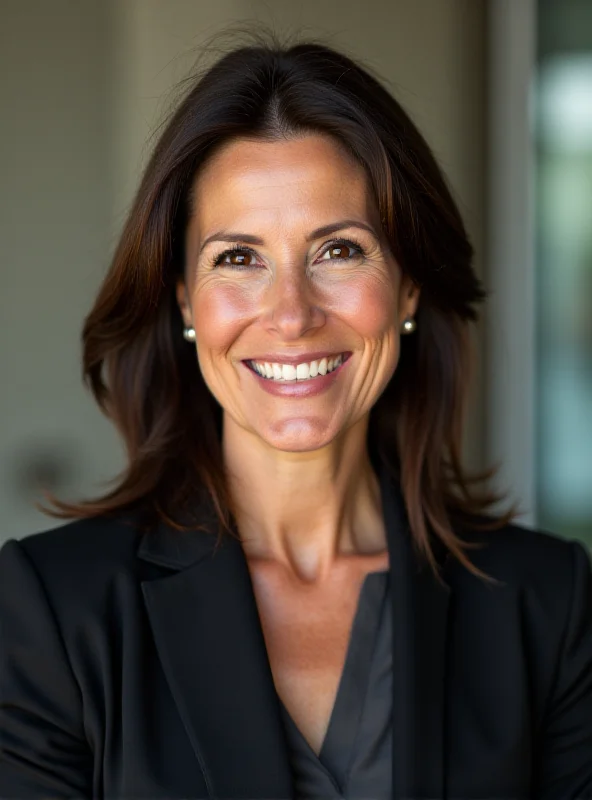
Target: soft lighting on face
column 297, row 311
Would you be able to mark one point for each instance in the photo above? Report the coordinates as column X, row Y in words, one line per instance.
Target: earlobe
column 183, row 302
column 410, row 298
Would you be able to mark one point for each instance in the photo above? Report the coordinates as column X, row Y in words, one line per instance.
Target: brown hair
column 146, row 378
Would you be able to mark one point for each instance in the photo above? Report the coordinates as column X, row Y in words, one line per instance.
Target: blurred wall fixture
column 43, row 465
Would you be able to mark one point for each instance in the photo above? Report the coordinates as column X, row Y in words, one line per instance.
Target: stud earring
column 189, row 334
column 409, row 326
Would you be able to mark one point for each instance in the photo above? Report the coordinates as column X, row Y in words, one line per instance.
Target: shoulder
column 76, row 561
column 100, row 535
column 96, row 542
column 547, row 573
column 515, row 553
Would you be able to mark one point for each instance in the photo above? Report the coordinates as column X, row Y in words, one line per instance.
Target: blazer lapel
column 208, row 635
column 420, row 616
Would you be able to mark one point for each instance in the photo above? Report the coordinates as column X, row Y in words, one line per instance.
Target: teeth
column 300, row 372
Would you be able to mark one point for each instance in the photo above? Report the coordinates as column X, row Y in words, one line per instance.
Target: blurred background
column 502, row 90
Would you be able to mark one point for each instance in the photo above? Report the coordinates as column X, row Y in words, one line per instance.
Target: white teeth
column 300, row 372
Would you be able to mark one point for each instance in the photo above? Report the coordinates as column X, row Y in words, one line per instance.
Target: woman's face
column 295, row 298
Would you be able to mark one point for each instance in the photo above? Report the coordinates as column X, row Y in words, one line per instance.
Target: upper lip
column 279, row 358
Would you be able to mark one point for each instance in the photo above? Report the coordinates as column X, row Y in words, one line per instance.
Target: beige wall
column 74, row 166
column 55, row 212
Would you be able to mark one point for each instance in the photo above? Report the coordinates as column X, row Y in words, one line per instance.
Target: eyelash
column 237, row 248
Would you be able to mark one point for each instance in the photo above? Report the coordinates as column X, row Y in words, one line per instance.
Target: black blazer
column 133, row 666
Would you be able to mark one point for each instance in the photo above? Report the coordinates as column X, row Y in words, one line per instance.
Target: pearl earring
column 409, row 325
column 189, row 334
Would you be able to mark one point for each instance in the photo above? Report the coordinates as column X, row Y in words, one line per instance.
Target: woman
column 277, row 598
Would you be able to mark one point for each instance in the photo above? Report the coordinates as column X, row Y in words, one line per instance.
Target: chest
column 307, row 632
column 193, row 683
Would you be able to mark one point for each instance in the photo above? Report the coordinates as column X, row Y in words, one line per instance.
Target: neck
column 304, row 510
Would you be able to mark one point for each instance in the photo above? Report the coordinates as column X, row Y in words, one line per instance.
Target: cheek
column 367, row 304
column 220, row 313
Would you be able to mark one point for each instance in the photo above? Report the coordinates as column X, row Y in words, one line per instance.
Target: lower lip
column 307, row 388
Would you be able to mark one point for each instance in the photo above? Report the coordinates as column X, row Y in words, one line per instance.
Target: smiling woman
column 292, row 297
column 276, row 598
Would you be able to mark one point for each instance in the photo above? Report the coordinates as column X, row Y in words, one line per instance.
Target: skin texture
column 307, row 500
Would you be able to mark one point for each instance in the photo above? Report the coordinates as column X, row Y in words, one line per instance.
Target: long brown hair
column 146, row 378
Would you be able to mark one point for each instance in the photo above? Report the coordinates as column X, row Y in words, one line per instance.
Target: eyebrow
column 325, row 230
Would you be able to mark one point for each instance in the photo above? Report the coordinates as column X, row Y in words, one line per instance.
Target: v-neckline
column 338, row 743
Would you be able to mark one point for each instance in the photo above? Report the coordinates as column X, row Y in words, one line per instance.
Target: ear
column 408, row 298
column 183, row 302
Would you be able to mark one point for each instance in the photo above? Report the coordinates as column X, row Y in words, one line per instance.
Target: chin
column 298, row 435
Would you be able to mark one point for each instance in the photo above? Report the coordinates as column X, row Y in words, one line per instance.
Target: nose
column 292, row 309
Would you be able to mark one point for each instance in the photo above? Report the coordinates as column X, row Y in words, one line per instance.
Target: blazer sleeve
column 566, row 757
column 43, row 750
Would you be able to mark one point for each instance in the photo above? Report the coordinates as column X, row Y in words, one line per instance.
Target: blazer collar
column 209, row 638
column 167, row 547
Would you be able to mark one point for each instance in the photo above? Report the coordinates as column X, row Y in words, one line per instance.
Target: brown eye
column 340, row 251
column 237, row 257
column 240, row 259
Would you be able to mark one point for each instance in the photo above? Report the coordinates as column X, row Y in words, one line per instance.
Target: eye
column 240, row 257
column 237, row 257
column 342, row 250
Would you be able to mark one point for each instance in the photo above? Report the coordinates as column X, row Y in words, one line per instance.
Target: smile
column 304, row 371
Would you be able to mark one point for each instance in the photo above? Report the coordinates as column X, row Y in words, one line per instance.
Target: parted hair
column 146, row 378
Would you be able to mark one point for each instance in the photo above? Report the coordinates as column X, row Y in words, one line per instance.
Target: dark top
column 133, row 665
column 355, row 757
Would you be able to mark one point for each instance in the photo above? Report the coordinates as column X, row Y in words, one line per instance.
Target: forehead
column 301, row 180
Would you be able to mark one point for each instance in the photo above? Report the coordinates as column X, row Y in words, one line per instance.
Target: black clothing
column 133, row 665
